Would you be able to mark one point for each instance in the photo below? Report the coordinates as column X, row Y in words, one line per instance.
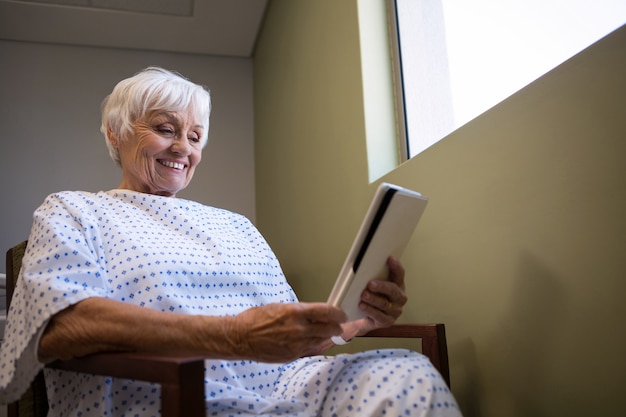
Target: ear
column 113, row 139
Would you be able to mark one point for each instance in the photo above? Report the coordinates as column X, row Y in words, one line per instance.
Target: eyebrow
column 171, row 116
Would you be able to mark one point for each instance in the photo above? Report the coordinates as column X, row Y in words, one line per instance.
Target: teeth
column 175, row 165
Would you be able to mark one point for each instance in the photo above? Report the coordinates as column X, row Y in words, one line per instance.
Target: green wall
column 522, row 250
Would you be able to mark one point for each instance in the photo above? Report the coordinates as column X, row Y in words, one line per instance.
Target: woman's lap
column 379, row 382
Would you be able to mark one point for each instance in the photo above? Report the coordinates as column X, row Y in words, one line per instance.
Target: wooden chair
column 181, row 377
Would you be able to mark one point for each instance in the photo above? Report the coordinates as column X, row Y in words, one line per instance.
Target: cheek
column 196, row 157
column 149, row 144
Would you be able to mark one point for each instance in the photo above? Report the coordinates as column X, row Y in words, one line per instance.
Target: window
column 457, row 58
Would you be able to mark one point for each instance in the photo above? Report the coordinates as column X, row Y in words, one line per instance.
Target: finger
column 388, row 307
column 379, row 317
column 375, row 299
column 323, row 330
column 385, row 291
column 384, row 304
column 396, row 271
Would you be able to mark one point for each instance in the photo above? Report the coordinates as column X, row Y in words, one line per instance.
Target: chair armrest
column 433, row 337
column 181, row 377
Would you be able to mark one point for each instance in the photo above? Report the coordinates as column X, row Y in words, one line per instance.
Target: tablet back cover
column 386, row 230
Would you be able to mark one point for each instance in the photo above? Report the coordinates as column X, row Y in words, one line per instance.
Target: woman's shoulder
column 75, row 197
column 67, row 204
column 69, row 196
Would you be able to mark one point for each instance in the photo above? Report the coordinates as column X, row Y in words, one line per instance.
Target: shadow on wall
column 467, row 379
column 521, row 349
column 529, row 340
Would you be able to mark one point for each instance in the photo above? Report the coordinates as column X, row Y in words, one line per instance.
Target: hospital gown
column 176, row 255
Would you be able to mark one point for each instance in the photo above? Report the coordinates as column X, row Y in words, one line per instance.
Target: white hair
column 153, row 89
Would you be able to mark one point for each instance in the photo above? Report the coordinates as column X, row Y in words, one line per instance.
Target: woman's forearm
column 100, row 324
column 276, row 332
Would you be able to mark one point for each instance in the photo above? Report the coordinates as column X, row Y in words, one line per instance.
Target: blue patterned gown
column 176, row 255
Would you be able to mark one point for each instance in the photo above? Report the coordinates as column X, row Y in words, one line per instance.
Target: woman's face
column 161, row 156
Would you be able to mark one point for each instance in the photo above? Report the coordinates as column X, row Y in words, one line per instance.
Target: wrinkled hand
column 382, row 301
column 283, row 332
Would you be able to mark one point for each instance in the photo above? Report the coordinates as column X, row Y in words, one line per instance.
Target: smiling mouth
column 175, row 165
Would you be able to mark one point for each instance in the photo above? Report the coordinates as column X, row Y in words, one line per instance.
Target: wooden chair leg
column 181, row 378
column 185, row 397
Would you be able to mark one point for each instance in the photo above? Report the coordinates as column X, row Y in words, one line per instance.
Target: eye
column 166, row 130
column 195, row 136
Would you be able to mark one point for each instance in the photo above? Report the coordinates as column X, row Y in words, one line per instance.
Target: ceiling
column 208, row 27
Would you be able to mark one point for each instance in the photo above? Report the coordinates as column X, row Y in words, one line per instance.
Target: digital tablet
column 386, row 229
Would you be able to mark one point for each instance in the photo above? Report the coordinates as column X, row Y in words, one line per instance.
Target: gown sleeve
column 63, row 264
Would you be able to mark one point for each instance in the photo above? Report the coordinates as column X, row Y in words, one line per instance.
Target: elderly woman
column 136, row 268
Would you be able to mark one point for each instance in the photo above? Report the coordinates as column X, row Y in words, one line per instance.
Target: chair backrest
column 432, row 336
column 34, row 403
column 14, row 264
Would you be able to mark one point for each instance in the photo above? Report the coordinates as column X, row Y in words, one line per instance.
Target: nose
column 181, row 145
